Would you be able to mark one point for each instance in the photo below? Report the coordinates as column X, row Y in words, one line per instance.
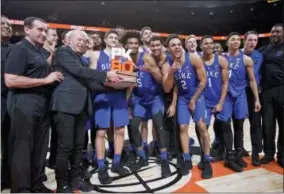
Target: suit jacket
column 72, row 94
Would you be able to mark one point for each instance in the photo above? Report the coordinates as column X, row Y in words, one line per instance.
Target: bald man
column 71, row 105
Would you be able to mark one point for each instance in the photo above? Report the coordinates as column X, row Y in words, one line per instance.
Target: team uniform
column 147, row 99
column 187, row 83
column 213, row 91
column 109, row 105
column 237, row 84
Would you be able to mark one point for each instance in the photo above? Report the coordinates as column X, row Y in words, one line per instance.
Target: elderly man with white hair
column 71, row 105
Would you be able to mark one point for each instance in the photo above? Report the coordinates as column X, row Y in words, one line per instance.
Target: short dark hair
column 131, row 34
column 233, row 34
column 279, row 25
column 170, row 37
column 157, row 38
column 119, row 27
column 51, row 29
column 63, row 34
column 112, row 31
column 250, row 32
column 145, row 28
column 29, row 21
column 204, row 37
column 95, row 32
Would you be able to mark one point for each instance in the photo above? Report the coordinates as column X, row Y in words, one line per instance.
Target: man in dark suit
column 71, row 104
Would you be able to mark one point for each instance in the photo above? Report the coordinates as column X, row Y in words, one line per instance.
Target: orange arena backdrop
column 101, row 29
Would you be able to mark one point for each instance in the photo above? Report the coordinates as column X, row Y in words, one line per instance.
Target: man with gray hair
column 71, row 104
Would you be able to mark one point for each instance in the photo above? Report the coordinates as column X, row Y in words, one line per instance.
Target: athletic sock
column 164, row 155
column 186, row 156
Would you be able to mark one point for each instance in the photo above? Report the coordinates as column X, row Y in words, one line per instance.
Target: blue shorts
column 224, row 115
column 183, row 113
column 112, row 108
column 146, row 111
column 238, row 105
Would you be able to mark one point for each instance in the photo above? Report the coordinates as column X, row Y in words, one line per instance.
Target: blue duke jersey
column 213, row 91
column 237, row 74
column 213, row 87
column 187, row 82
column 186, row 79
column 147, row 95
column 237, row 85
column 257, row 59
column 147, row 87
column 110, row 104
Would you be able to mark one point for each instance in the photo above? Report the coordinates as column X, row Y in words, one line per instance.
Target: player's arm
column 168, row 77
column 94, row 56
column 225, row 78
column 197, row 63
column 153, row 68
column 175, row 95
column 249, row 68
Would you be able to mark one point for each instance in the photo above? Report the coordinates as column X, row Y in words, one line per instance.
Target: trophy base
column 128, row 80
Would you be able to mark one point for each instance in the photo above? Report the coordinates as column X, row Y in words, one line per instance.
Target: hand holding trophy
column 124, row 67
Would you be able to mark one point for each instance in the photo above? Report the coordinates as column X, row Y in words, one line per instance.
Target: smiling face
column 111, row 40
column 277, row 35
column 234, row 42
column 156, row 47
column 146, row 35
column 175, row 47
column 36, row 32
column 6, row 28
column 207, row 46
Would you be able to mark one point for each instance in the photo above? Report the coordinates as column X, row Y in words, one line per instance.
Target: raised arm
column 151, row 66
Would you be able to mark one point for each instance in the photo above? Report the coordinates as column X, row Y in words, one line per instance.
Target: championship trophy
column 123, row 64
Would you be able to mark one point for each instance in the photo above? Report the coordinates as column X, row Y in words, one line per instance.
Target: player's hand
column 130, row 113
column 54, row 76
column 257, row 106
column 171, row 111
column 175, row 66
column 218, row 108
column 191, row 106
column 112, row 76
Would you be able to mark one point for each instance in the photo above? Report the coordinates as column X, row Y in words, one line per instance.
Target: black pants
column 272, row 110
column 53, row 143
column 29, row 133
column 6, row 144
column 159, row 127
column 71, row 135
column 172, row 133
column 255, row 124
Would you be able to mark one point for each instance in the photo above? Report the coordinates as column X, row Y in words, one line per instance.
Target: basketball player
column 120, row 31
column 216, row 90
column 190, row 77
column 146, row 100
column 218, row 49
column 97, row 40
column 240, row 67
column 110, row 107
column 146, row 35
column 191, row 44
column 250, row 42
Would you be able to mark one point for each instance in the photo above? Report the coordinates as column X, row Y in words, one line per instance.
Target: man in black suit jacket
column 71, row 104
